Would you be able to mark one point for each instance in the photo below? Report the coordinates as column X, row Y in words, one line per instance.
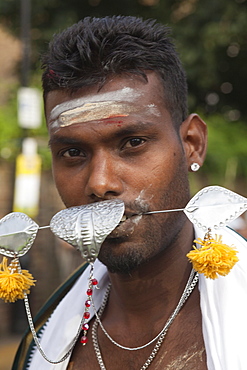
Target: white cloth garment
column 223, row 306
column 224, row 309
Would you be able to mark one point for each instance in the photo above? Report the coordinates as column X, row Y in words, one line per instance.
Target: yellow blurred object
column 27, row 180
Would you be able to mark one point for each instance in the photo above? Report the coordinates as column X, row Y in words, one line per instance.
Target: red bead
column 89, row 291
column 86, row 315
column 84, row 340
column 88, row 303
column 94, row 281
column 85, row 327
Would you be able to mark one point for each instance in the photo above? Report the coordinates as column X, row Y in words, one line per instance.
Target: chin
column 121, row 263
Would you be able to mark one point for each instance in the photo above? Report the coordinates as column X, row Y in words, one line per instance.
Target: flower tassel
column 14, row 282
column 214, row 258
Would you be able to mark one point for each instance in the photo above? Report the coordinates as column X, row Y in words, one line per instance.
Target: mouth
column 128, row 216
column 124, row 218
column 126, row 226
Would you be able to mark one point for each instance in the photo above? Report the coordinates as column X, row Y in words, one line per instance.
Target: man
column 115, row 101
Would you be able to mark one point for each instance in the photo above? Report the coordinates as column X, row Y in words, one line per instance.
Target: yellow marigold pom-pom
column 14, row 284
column 214, row 258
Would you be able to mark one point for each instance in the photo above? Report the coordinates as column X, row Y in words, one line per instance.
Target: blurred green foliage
column 210, row 36
column 227, row 149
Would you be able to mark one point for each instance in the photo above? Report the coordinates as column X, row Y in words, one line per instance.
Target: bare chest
column 182, row 349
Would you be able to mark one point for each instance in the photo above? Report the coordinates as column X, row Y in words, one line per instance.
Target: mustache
column 138, row 206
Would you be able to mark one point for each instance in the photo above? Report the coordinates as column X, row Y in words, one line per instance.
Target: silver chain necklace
column 192, row 281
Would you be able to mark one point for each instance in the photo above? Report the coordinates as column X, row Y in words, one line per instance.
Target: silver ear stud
column 194, row 167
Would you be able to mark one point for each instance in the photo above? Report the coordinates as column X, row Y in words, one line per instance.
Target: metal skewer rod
column 164, row 211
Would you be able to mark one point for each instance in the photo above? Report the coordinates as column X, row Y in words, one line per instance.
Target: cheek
column 61, row 187
column 167, row 181
column 163, row 169
column 66, row 187
column 155, row 168
column 57, row 176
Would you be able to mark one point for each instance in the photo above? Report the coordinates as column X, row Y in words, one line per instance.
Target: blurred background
column 212, row 41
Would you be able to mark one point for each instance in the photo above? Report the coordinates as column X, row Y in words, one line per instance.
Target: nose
column 103, row 179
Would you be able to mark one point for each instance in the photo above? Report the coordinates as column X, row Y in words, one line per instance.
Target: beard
column 155, row 234
column 123, row 263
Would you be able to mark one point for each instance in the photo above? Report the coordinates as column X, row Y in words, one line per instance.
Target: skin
column 143, row 160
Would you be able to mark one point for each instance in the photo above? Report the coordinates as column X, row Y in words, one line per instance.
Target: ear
column 193, row 133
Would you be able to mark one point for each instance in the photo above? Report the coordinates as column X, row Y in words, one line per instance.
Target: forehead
column 121, row 96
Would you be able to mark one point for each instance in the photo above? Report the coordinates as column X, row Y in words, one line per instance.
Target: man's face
column 120, row 142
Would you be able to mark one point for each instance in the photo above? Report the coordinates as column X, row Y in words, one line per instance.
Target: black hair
column 94, row 49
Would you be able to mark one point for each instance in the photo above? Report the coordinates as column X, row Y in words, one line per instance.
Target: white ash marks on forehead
column 94, row 111
column 152, row 108
column 125, row 94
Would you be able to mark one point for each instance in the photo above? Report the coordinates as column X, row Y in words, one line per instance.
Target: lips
column 126, row 226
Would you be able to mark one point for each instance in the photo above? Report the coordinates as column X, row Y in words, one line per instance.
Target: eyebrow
column 131, row 129
column 58, row 139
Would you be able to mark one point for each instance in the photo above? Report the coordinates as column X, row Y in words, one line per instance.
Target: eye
column 73, row 152
column 135, row 141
